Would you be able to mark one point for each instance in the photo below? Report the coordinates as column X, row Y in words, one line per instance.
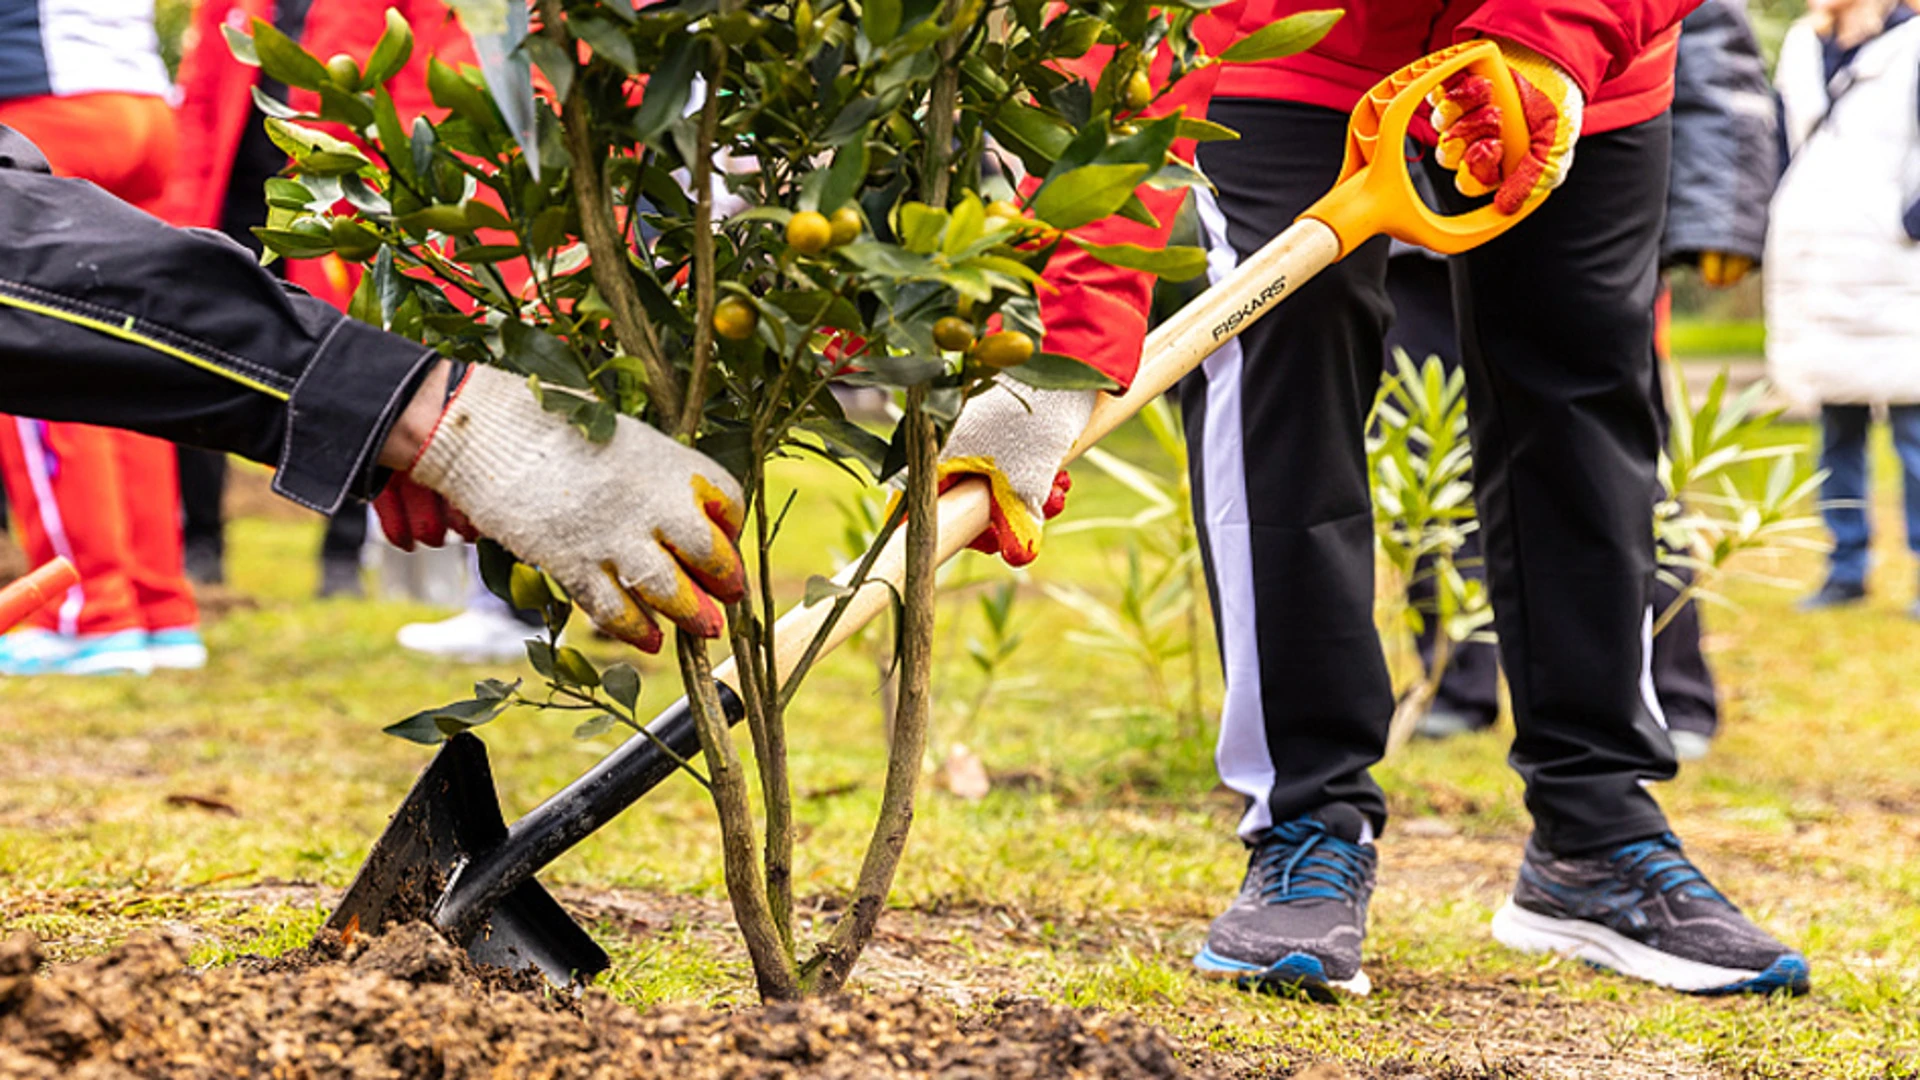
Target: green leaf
column 449, row 91
column 573, row 666
column 823, row 588
column 909, row 370
column 270, row 105
column 528, row 588
column 609, row 42
column 668, row 90
column 1293, row 34
column 540, row 655
column 496, row 568
column 845, row 176
column 594, row 727
column 341, row 107
column 441, row 218
column 553, row 61
column 1086, row 194
column 294, row 245
column 921, row 227
column 851, row 439
column 431, row 726
column 964, row 225
column 1168, row 263
column 880, row 20
column 1051, row 371
column 1035, row 136
column 1206, row 130
column 241, row 46
column 622, row 684
column 391, row 52
column 540, row 354
column 494, row 689
column 418, row 728
column 287, row 194
column 884, row 260
column 281, row 58
column 478, row 254
column 818, row 306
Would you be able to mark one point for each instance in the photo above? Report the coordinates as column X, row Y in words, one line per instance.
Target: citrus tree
column 704, row 213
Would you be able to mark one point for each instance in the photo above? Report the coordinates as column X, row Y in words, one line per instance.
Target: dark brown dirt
column 409, row 1005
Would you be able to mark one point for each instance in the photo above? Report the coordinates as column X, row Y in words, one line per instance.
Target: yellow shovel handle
column 1375, row 195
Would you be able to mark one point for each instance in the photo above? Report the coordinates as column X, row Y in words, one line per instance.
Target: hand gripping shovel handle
column 1373, row 195
column 29, row 594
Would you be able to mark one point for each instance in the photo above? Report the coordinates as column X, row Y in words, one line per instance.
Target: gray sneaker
column 1642, row 909
column 1301, row 916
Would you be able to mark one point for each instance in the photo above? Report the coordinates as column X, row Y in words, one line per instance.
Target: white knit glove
column 635, row 525
column 1017, row 437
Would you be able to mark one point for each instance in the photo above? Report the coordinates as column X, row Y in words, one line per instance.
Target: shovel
column 447, row 853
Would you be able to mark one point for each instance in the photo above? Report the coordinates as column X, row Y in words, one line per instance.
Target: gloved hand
column 412, row 516
column 1468, row 124
column 1017, row 437
column 637, row 525
column 1719, row 269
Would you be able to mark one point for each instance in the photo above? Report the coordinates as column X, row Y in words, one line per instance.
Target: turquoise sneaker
column 43, row 652
column 178, row 649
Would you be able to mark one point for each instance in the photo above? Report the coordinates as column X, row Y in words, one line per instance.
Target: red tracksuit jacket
column 1620, row 52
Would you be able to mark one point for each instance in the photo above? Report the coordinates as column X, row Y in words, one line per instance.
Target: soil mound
column 408, row 1005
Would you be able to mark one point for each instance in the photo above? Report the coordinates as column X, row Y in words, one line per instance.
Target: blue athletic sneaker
column 1645, row 911
column 1301, row 916
column 43, row 652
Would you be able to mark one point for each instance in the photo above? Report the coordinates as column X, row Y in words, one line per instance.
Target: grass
column 1691, row 338
column 1089, row 883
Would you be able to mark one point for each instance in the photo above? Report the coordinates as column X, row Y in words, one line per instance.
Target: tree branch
column 605, row 248
column 772, row 964
column 703, row 253
column 829, row 968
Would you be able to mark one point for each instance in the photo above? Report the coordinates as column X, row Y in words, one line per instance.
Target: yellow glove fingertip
column 1469, row 185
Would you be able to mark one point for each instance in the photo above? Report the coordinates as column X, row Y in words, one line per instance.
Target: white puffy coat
column 1842, row 278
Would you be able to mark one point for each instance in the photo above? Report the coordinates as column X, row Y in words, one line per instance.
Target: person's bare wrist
column 415, row 425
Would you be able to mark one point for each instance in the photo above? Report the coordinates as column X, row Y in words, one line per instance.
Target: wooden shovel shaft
column 1178, row 346
column 35, row 591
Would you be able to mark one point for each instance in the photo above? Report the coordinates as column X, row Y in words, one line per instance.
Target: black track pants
column 1556, row 335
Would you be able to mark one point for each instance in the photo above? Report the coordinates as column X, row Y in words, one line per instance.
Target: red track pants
column 106, row 499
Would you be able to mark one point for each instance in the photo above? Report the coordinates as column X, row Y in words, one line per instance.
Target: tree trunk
column 907, row 750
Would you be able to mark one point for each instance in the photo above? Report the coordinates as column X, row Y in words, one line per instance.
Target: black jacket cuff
column 340, row 411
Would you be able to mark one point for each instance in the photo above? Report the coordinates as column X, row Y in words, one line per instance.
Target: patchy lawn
column 229, row 807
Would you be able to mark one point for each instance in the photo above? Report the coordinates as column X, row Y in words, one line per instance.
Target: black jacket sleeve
column 109, row 316
column 1725, row 142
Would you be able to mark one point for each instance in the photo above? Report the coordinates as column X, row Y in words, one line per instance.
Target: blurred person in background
column 487, row 629
column 85, row 82
column 1722, row 174
column 225, row 162
column 1843, row 258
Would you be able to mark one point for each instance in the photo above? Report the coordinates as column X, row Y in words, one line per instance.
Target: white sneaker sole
column 110, row 663
column 1531, row 932
column 178, row 657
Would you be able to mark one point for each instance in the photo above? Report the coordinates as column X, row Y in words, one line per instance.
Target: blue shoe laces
column 1660, row 862
column 1301, row 859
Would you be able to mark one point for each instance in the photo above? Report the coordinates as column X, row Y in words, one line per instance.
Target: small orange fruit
column 847, row 225
column 1139, row 90
column 809, row 232
column 1006, row 349
column 953, row 333
column 344, row 72
column 735, row 319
